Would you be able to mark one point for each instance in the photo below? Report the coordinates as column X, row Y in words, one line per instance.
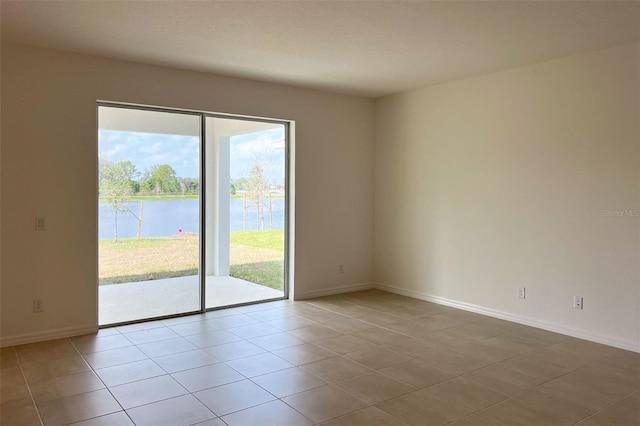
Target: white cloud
column 164, row 158
column 191, row 147
column 264, row 147
column 115, row 151
column 153, row 148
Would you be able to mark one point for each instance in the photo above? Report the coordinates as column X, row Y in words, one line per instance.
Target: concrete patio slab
column 148, row 299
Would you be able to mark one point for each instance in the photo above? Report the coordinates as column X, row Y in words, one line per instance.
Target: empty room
column 319, row 213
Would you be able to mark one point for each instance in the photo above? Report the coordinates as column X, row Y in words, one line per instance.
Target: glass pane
column 148, row 215
column 245, row 227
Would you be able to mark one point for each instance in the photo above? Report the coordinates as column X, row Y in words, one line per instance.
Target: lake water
column 163, row 218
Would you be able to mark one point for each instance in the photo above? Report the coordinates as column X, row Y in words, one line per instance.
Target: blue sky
column 182, row 152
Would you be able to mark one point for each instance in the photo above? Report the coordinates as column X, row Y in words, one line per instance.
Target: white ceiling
column 370, row 48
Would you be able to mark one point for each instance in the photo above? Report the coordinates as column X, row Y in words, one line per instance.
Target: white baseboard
column 41, row 336
column 557, row 328
column 334, row 290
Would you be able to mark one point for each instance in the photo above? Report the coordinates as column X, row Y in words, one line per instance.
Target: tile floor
column 365, row 358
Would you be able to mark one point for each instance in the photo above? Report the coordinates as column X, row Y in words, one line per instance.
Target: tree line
column 118, row 181
column 122, row 179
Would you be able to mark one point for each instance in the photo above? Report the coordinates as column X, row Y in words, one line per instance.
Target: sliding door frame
column 202, row 203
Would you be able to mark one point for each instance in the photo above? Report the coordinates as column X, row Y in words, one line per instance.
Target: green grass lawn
column 256, row 256
column 271, row 239
column 269, row 274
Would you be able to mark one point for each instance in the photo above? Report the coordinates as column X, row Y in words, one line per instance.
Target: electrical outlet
column 38, row 305
column 341, row 269
column 522, row 292
column 577, row 302
column 40, row 224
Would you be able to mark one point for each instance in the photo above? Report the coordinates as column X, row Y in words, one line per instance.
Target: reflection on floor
column 148, row 299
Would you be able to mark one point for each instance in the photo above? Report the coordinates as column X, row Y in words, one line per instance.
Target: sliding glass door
column 246, row 210
column 149, row 213
column 191, row 212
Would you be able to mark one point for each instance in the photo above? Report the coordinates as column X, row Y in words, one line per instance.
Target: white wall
column 49, row 169
column 480, row 186
column 503, row 180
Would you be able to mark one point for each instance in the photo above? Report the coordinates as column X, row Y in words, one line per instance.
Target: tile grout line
column 507, row 359
column 24, row 377
column 517, row 395
column 188, row 391
column 103, row 383
column 612, row 403
column 301, row 314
